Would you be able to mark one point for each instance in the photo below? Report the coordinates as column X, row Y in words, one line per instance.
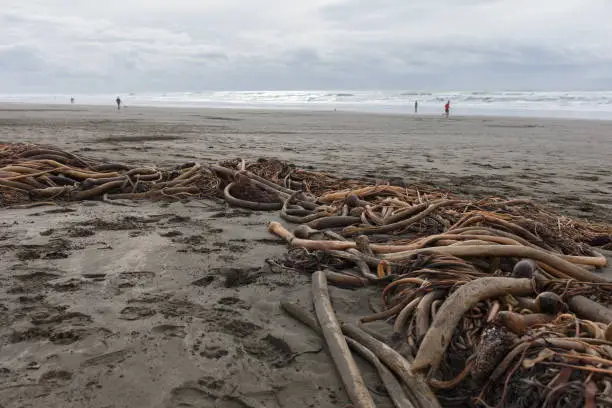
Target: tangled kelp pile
column 35, row 173
column 491, row 302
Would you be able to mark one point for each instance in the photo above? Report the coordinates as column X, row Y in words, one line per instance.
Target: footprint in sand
column 107, row 358
column 190, row 396
column 57, row 378
column 133, row 278
column 136, row 313
column 169, row 330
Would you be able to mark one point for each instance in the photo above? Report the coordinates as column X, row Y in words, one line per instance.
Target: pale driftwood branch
column 518, row 251
column 351, row 377
column 419, row 392
column 590, row 310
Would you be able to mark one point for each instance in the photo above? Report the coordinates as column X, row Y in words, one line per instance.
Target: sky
column 94, row 46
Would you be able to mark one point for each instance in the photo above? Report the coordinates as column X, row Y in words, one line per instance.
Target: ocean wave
column 399, row 101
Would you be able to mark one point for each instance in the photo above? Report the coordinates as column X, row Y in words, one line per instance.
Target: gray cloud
column 139, row 45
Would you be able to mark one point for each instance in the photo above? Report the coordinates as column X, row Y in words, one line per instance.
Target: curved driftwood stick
column 55, row 157
column 361, row 192
column 172, row 183
column 386, row 313
column 343, row 279
column 302, row 315
column 418, row 391
column 550, row 272
column 477, row 217
column 353, row 382
column 50, row 192
column 178, row 190
column 394, row 387
column 98, row 191
column 66, row 155
column 402, row 318
column 38, row 152
column 166, row 192
column 272, row 184
column 16, row 185
column 276, row 228
column 26, row 174
column 298, row 219
column 590, row 310
column 300, row 212
column 301, row 219
column 483, row 230
column 440, row 333
column 224, row 171
column 37, row 164
column 83, row 175
column 158, row 177
column 404, row 223
column 519, row 324
column 369, row 212
column 401, row 281
column 422, row 243
column 553, row 260
column 186, row 174
column 62, row 180
column 17, row 169
column 146, row 170
column 598, row 260
column 110, row 167
column 252, row 205
column 423, row 310
column 358, row 259
column 403, row 213
column 333, row 222
column 526, row 303
column 98, row 182
column 364, row 261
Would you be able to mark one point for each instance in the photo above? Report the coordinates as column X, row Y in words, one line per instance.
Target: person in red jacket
column 447, row 109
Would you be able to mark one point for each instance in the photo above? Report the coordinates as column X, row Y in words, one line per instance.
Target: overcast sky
column 181, row 45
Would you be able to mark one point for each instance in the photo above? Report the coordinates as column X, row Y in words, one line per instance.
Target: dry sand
column 174, row 305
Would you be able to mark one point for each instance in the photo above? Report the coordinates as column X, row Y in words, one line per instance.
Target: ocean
column 558, row 104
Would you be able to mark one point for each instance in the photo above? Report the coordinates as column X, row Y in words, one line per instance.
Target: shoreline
column 426, row 111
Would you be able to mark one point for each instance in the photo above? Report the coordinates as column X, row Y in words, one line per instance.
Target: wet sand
column 174, row 305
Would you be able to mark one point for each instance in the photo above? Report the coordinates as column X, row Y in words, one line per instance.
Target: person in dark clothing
column 118, row 100
column 416, row 106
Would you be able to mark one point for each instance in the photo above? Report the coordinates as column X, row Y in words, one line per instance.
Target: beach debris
column 336, row 343
column 492, row 302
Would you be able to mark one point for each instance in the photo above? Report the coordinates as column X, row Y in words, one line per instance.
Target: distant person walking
column 72, row 101
column 447, row 109
column 416, row 106
column 118, row 100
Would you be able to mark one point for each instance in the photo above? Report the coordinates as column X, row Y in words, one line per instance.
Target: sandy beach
column 174, row 305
